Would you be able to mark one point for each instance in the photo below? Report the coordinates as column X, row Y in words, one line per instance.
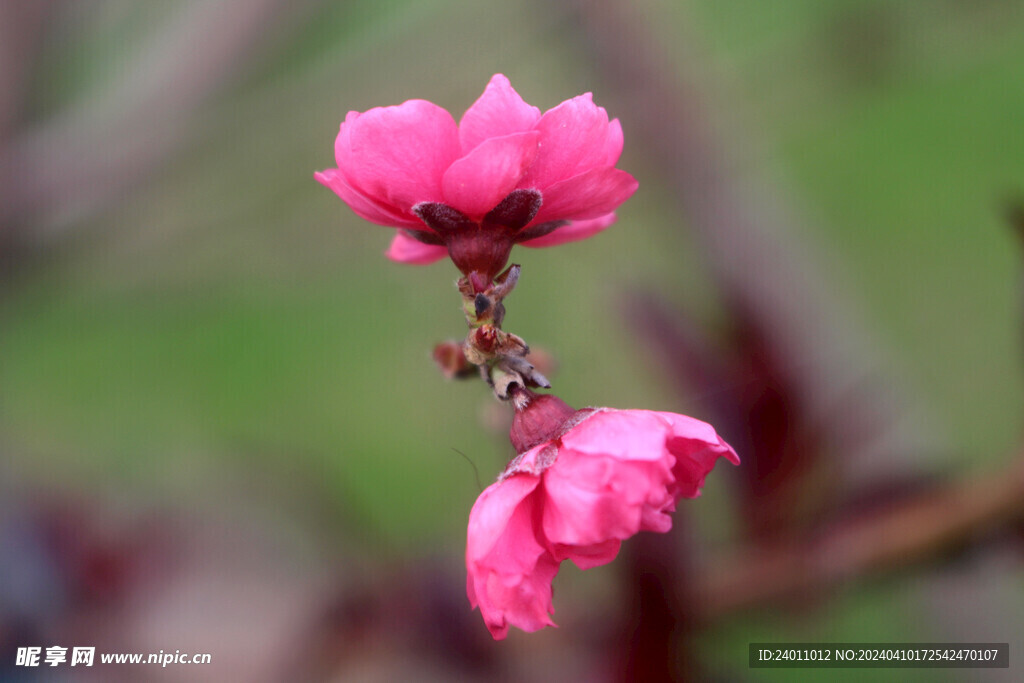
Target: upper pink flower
column 505, row 174
column 602, row 477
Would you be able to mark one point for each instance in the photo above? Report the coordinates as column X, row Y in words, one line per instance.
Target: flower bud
column 451, row 361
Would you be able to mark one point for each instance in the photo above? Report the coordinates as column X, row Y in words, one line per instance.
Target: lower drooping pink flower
column 602, row 476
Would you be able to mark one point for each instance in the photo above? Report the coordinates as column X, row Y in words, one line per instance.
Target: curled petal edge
column 573, row 232
column 405, row 249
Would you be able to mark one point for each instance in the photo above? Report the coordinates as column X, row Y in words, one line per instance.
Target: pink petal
column 593, row 498
column 656, row 518
column 491, row 518
column 576, row 516
column 363, row 206
column 405, row 249
column 613, row 145
column 477, row 182
column 622, row 434
column 523, row 601
column 694, row 461
column 692, row 429
column 575, row 231
column 574, row 139
column 397, row 155
column 509, row 569
column 696, row 447
column 343, row 143
column 589, row 556
column 498, row 112
column 588, row 195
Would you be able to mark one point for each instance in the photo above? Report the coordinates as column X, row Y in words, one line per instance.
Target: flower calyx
column 538, row 418
column 480, row 249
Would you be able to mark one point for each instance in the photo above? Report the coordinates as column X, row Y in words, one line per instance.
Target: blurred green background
column 220, row 330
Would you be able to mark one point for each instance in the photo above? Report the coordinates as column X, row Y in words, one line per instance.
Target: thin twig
column 920, row 528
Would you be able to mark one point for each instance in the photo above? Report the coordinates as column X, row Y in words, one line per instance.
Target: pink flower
column 505, row 174
column 576, row 492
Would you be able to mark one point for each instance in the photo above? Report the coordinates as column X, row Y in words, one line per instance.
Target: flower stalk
column 500, row 355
